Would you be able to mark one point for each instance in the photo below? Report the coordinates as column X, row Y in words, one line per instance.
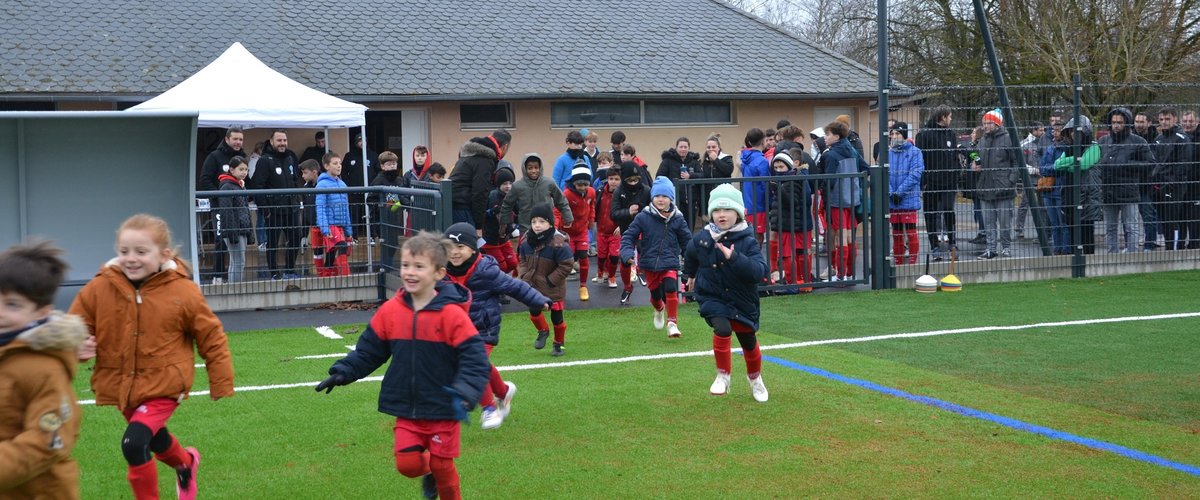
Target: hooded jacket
column 659, row 239
column 431, row 350
column 1088, row 179
column 904, row 176
column 215, row 164
column 39, row 417
column 671, row 164
column 791, row 210
column 582, row 210
column 527, row 192
column 754, row 194
column 147, row 337
column 333, row 209
column 999, row 177
column 1125, row 162
column 487, row 283
column 939, row 155
column 471, row 179
column 726, row 288
column 233, row 212
column 566, row 162
column 627, row 196
column 842, row 158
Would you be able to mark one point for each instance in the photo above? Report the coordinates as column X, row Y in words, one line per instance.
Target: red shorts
column 903, row 216
column 504, row 255
column 759, row 221
column 608, row 245
column 842, row 218
column 440, row 437
column 153, row 414
column 654, row 279
column 336, row 235
column 580, row 241
column 791, row 242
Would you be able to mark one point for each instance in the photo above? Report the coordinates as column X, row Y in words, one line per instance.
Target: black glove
column 333, row 381
column 460, row 405
column 896, row 198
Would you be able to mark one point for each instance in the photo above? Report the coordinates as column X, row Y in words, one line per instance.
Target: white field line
column 327, row 332
column 628, row 359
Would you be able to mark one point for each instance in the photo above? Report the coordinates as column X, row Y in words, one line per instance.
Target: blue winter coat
column 332, row 209
column 659, row 239
column 904, row 176
column 486, row 282
column 431, row 349
column 563, row 166
column 754, row 194
column 727, row 288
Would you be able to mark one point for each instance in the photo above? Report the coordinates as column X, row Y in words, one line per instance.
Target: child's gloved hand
column 896, row 198
column 460, row 405
column 334, row 380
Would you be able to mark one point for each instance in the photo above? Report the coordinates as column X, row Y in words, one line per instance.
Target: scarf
column 462, row 269
column 717, row 233
column 537, row 239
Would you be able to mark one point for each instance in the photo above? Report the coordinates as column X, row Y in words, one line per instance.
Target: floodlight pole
column 1035, row 204
column 881, row 277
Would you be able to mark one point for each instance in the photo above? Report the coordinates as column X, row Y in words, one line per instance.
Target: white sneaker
column 491, row 418
column 758, row 389
column 504, row 405
column 673, row 330
column 596, row 279
column 660, row 318
column 218, row 281
column 720, row 386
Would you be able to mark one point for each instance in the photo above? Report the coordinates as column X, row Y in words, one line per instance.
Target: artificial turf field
column 626, row 412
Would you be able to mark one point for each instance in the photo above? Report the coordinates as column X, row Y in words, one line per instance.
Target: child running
column 659, row 233
column 608, row 234
column 439, row 367
column 628, row 200
column 39, row 417
column 728, row 265
column 544, row 262
column 148, row 318
column 487, row 282
column 582, row 200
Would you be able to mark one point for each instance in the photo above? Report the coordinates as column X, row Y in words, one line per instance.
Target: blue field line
column 991, row 417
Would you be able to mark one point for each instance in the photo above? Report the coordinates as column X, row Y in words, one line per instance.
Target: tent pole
column 366, row 206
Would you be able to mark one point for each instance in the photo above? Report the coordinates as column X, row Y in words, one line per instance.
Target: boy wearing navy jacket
column 442, row 367
column 487, row 282
column 659, row 233
column 727, row 264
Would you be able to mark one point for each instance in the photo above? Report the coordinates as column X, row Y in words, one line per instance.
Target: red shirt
column 604, row 222
column 582, row 208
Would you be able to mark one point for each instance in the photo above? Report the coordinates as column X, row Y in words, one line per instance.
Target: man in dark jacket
column 999, row 159
column 1125, row 161
column 471, row 179
column 317, row 150
column 215, row 164
column 352, row 175
column 939, row 151
column 277, row 169
column 1168, row 179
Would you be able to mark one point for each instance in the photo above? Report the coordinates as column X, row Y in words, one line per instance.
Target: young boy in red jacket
column 582, row 200
column 441, row 371
column 608, row 233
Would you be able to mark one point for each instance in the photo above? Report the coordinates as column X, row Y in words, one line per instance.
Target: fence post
column 878, row 228
column 1078, row 262
column 445, row 209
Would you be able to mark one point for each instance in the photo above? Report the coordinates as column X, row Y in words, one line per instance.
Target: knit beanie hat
column 994, row 116
column 504, row 175
column 726, row 196
column 581, row 171
column 628, row 169
column 544, row 211
column 663, row 187
column 783, row 157
column 902, row 128
column 463, row 233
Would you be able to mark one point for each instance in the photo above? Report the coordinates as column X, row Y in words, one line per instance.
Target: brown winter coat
column 546, row 267
column 39, row 417
column 145, row 337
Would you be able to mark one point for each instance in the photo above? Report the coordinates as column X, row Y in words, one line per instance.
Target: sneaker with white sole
column 491, row 417
column 758, row 389
column 625, row 296
column 597, row 278
column 185, row 479
column 504, row 404
column 673, row 330
column 720, row 386
column 660, row 318
column 612, row 282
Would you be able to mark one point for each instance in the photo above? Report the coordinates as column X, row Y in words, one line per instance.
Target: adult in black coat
column 1125, row 163
column 316, row 151
column 217, row 162
column 352, row 175
column 939, row 182
column 278, row 169
column 471, row 179
column 682, row 163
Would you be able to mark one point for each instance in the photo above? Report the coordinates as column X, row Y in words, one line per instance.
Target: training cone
column 926, row 283
column 951, row 283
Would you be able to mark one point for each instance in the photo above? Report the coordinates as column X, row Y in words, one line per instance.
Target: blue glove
column 459, row 404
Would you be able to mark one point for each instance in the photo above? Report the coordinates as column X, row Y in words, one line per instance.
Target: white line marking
column 628, row 359
column 200, row 365
column 327, row 332
column 320, row 356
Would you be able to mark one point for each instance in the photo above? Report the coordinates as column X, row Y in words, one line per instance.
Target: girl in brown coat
column 147, row 316
column 544, row 261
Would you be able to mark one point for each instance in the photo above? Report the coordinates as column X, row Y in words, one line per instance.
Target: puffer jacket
column 147, row 337
column 721, row 168
column 671, row 164
column 1088, row 180
column 754, row 194
column 659, row 239
column 471, row 179
column 215, row 164
column 39, row 417
column 1125, row 163
column 999, row 177
column 625, row 197
column 1173, row 151
column 582, row 210
column 791, row 200
column 333, row 209
column 904, row 176
column 726, row 288
column 431, row 350
column 277, row 170
column 233, row 212
column 546, row 267
column 486, row 283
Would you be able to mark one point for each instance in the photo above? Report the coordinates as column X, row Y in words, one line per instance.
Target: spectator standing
column 317, row 150
column 1125, row 163
column 997, row 187
column 333, row 217
column 471, row 179
column 390, row 208
column 1089, row 198
column 277, row 170
column 1168, row 179
column 754, row 194
column 906, row 166
column 353, row 176
column 680, row 163
column 939, row 180
column 215, row 164
column 1146, row 129
column 1052, row 202
column 844, row 198
column 233, row 218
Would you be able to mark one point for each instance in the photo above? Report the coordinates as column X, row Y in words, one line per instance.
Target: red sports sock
column 560, row 332
column 773, row 254
column 412, row 463
column 584, row 264
column 143, row 479
column 497, row 385
column 804, row 268
column 898, row 246
column 447, row 478
column 626, row 272
column 753, row 361
column 914, row 245
column 539, row 322
column 721, row 353
column 672, row 306
column 175, row 456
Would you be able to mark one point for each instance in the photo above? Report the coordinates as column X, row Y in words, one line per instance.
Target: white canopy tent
column 237, row 89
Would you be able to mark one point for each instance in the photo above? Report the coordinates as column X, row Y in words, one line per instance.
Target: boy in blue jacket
column 333, row 217
column 487, row 282
column 659, row 234
column 727, row 265
column 904, row 184
column 439, row 366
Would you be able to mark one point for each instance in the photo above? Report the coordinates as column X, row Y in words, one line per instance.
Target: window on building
column 703, row 112
column 595, row 113
column 485, row 116
column 600, row 113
